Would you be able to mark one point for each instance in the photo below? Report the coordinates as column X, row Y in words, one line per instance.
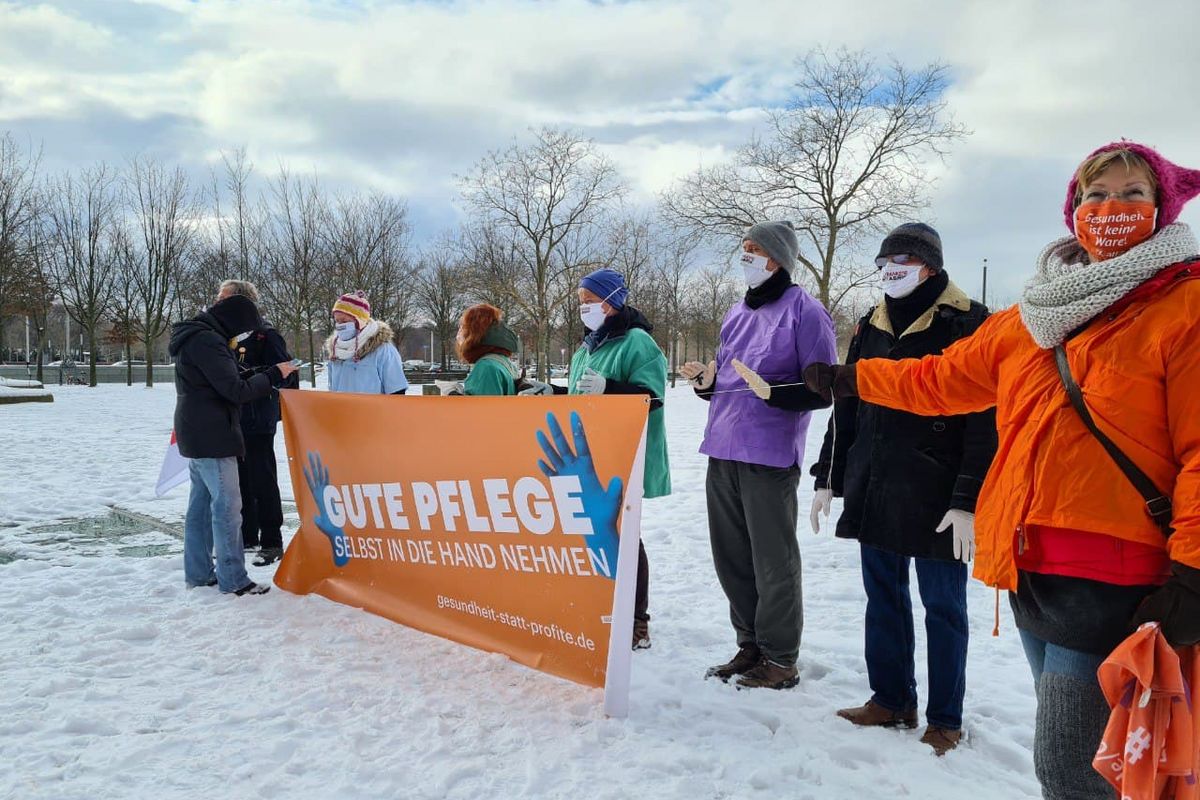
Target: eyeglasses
column 899, row 258
column 1136, row 194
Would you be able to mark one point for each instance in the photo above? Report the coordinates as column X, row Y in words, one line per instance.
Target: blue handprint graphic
column 602, row 506
column 317, row 476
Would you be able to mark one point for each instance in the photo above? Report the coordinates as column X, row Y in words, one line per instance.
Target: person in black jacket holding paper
column 910, row 484
column 262, row 510
column 209, row 394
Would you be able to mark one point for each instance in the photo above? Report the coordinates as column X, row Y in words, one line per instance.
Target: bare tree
column 442, row 294
column 240, row 229
column 551, row 189
column 297, row 285
column 163, row 212
column 126, row 307
column 82, row 211
column 671, row 268
column 843, row 161
column 368, row 242
column 712, row 293
column 18, row 212
column 34, row 289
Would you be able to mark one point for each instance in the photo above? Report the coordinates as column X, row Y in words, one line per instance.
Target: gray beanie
column 914, row 239
column 778, row 239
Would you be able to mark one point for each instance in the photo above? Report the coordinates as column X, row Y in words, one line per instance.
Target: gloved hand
column 963, row 523
column 591, row 382
column 822, row 504
column 459, row 389
column 1175, row 606
column 702, row 376
column 831, row 381
column 535, row 388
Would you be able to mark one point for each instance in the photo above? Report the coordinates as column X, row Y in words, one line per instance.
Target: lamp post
column 984, row 298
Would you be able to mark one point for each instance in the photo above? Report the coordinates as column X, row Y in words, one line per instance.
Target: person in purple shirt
column 755, row 448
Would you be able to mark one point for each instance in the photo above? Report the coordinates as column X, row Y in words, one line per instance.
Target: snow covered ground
column 117, row 682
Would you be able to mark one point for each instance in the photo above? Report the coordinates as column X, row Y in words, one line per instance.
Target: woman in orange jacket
column 1060, row 524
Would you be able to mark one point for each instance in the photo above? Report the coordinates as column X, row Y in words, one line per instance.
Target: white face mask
column 593, row 315
column 346, row 330
column 899, row 280
column 753, row 267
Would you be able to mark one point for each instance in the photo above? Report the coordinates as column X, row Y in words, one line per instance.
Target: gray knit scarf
column 1067, row 291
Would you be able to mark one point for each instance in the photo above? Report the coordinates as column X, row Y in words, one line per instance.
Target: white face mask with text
column 754, row 268
column 900, row 280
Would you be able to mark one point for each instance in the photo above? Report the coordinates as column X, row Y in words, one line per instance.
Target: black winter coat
column 209, row 390
column 898, row 472
column 263, row 348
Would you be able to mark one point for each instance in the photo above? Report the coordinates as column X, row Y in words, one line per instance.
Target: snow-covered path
column 116, row 682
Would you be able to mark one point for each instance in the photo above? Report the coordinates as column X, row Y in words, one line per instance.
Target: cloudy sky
column 401, row 96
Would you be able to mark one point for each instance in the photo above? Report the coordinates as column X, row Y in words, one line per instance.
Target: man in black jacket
column 262, row 511
column 209, row 394
column 910, row 485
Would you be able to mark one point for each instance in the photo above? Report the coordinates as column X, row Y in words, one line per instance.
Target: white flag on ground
column 174, row 469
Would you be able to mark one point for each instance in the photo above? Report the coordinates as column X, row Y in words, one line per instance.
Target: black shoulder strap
column 1158, row 506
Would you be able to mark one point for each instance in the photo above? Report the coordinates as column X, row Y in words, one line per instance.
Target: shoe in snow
column 253, row 588
column 641, row 634
column 871, row 714
column 766, row 674
column 747, row 657
column 268, row 555
column 942, row 740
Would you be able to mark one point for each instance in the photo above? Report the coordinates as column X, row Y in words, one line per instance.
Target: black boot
column 268, row 555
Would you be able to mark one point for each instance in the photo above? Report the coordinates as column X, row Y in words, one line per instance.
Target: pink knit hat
column 1176, row 184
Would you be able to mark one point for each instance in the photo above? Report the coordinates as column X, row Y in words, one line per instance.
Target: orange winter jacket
column 1139, row 367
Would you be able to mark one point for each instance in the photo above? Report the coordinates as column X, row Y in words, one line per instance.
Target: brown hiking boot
column 747, row 657
column 641, row 634
column 872, row 714
column 942, row 740
column 766, row 674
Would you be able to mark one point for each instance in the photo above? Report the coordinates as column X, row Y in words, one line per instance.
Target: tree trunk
column 128, row 362
column 312, row 359
column 91, row 340
column 149, row 362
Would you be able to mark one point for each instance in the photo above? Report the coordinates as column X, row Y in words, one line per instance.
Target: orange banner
column 507, row 524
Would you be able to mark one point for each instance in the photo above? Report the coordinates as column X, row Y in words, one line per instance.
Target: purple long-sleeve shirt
column 777, row 340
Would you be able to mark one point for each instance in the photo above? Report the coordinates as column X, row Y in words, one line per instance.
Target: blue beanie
column 608, row 285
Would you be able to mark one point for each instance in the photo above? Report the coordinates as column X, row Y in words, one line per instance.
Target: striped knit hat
column 356, row 305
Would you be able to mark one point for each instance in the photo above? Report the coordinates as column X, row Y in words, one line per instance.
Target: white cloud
column 402, row 95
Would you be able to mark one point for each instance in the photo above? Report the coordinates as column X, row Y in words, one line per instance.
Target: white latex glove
column 963, row 523
column 701, row 375
column 591, row 382
column 536, row 388
column 822, row 504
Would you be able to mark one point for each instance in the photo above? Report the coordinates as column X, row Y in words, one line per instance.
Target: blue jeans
column 1045, row 657
column 214, row 519
column 890, row 643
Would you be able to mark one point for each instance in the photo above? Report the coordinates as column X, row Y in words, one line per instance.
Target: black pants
column 262, row 513
column 641, row 597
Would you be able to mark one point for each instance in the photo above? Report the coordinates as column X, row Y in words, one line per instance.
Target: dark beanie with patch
column 914, row 239
column 779, row 240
